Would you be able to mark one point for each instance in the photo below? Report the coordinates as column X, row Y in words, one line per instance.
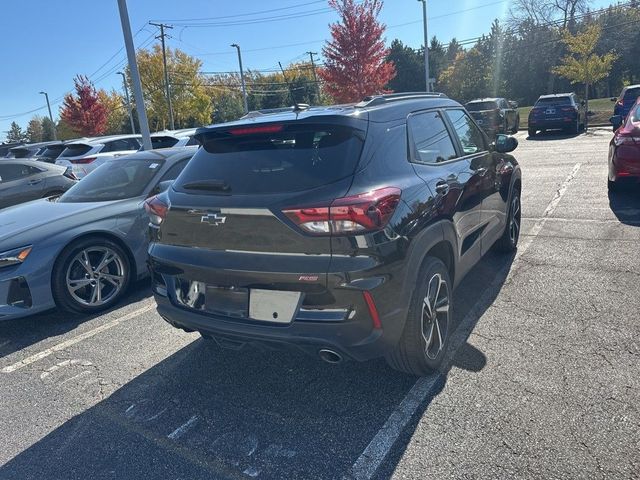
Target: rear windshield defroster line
column 292, row 158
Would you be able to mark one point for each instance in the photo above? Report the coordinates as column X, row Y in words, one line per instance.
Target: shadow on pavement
column 625, row 204
column 553, row 135
column 210, row 413
column 23, row 332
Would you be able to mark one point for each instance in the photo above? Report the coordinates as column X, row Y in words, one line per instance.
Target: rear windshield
column 114, row 180
column 476, row 107
column 291, row 158
column 631, row 95
column 52, row 151
column 163, row 142
column 553, row 101
column 75, row 150
column 22, row 152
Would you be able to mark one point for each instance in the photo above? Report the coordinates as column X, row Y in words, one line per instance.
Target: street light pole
column 55, row 135
column 244, row 87
column 126, row 94
column 135, row 75
column 426, row 44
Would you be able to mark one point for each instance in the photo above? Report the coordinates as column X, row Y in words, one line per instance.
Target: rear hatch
column 238, row 216
column 486, row 114
column 552, row 109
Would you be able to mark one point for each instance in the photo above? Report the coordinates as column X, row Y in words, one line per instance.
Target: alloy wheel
column 514, row 219
column 435, row 316
column 95, row 276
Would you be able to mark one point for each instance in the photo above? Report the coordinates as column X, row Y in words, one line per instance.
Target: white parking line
column 374, row 454
column 77, row 339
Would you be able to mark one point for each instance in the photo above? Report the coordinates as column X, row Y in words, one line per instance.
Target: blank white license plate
column 273, row 305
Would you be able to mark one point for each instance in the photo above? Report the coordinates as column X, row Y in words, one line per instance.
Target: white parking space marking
column 374, row 454
column 64, row 363
column 181, row 430
column 81, row 374
column 77, row 339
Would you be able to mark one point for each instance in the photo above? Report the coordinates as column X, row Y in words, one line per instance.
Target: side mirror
column 505, row 144
column 616, row 121
column 513, row 104
column 613, row 99
column 161, row 187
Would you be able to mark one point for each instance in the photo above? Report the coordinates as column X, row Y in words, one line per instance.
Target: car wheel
column 576, row 127
column 90, row 275
column 425, row 338
column 532, row 132
column 516, row 126
column 508, row 242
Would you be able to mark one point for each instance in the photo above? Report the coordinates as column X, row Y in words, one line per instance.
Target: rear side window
column 631, row 95
column 13, row 171
column 431, row 140
column 470, row 136
column 75, row 150
column 274, row 158
column 163, row 142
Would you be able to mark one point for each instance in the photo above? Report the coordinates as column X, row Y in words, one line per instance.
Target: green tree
column 15, row 133
column 34, row 129
column 48, row 129
column 117, row 114
column 410, row 75
column 583, row 65
column 65, row 131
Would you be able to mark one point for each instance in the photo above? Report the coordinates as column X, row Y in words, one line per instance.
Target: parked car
column 626, row 100
column 624, row 149
column 495, row 115
column 173, row 138
column 5, row 149
column 558, row 111
column 30, row 150
column 341, row 230
column 22, row 180
column 84, row 156
column 81, row 251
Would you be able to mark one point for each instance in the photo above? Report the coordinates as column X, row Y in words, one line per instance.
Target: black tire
column 67, row 266
column 516, row 126
column 532, row 132
column 576, row 127
column 412, row 354
column 508, row 242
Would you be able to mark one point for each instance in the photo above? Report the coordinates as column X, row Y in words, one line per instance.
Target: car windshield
column 114, row 180
column 545, row 102
column 478, row 106
column 75, row 150
column 285, row 158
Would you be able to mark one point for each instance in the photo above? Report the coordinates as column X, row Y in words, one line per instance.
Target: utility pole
column 135, row 75
column 46, row 95
column 426, row 44
column 162, row 26
column 244, row 86
column 126, row 93
column 315, row 76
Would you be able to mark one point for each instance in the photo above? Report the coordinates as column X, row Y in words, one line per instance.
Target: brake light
column 373, row 310
column 83, row 161
column 256, row 130
column 156, row 209
column 569, row 109
column 627, row 138
column 365, row 212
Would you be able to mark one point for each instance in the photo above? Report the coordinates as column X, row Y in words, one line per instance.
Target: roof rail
column 394, row 97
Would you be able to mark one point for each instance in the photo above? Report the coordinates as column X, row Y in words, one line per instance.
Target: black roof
column 378, row 108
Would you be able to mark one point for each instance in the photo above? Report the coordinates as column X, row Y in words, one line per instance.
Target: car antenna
column 297, row 107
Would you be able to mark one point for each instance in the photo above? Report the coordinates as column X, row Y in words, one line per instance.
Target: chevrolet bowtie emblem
column 213, row 219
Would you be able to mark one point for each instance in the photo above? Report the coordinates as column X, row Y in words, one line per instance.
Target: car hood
column 27, row 222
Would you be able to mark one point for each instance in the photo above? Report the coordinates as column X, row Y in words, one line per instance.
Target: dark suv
column 557, row 111
column 340, row 230
column 495, row 115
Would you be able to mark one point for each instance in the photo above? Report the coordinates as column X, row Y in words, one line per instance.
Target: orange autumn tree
column 84, row 112
column 355, row 57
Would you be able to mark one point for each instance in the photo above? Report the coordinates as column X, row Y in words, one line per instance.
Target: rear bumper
column 624, row 164
column 551, row 124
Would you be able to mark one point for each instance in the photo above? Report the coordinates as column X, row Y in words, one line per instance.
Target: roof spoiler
column 374, row 100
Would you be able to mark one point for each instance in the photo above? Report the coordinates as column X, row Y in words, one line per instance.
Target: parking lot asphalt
column 543, row 380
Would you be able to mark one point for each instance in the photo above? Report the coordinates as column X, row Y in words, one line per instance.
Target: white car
column 173, row 138
column 86, row 155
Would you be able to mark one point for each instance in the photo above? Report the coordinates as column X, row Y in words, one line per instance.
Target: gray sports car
column 80, row 251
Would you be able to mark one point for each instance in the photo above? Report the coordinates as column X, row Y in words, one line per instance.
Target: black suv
column 341, row 230
column 561, row 111
column 495, row 115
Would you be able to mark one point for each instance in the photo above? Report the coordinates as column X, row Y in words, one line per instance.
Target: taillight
column 275, row 128
column 627, row 138
column 569, row 109
column 83, row 161
column 69, row 174
column 365, row 212
column 156, row 209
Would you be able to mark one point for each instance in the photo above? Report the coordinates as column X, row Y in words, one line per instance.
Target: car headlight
column 15, row 256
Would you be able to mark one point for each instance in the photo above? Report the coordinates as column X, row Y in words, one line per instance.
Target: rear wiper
column 209, row 185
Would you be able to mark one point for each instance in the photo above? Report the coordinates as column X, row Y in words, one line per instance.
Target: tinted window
column 631, row 94
column 121, row 145
column 292, row 158
column 75, row 150
column 192, row 141
column 553, row 101
column 478, row 106
column 431, row 141
column 12, row 171
column 114, row 180
column 635, row 114
column 174, row 171
column 163, row 142
column 52, row 151
column 470, row 136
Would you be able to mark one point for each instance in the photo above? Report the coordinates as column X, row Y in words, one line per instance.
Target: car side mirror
column 161, row 187
column 613, row 99
column 616, row 121
column 513, row 104
column 505, row 144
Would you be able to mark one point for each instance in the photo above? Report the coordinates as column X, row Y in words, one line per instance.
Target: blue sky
column 46, row 43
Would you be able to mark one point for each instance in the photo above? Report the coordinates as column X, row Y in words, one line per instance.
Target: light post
column 426, row 44
column 244, row 87
column 126, row 94
column 53, row 125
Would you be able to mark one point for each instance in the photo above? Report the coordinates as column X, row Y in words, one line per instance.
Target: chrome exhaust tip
column 330, row 356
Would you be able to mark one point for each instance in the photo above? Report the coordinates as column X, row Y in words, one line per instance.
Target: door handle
column 442, row 187
column 34, row 182
column 482, row 171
